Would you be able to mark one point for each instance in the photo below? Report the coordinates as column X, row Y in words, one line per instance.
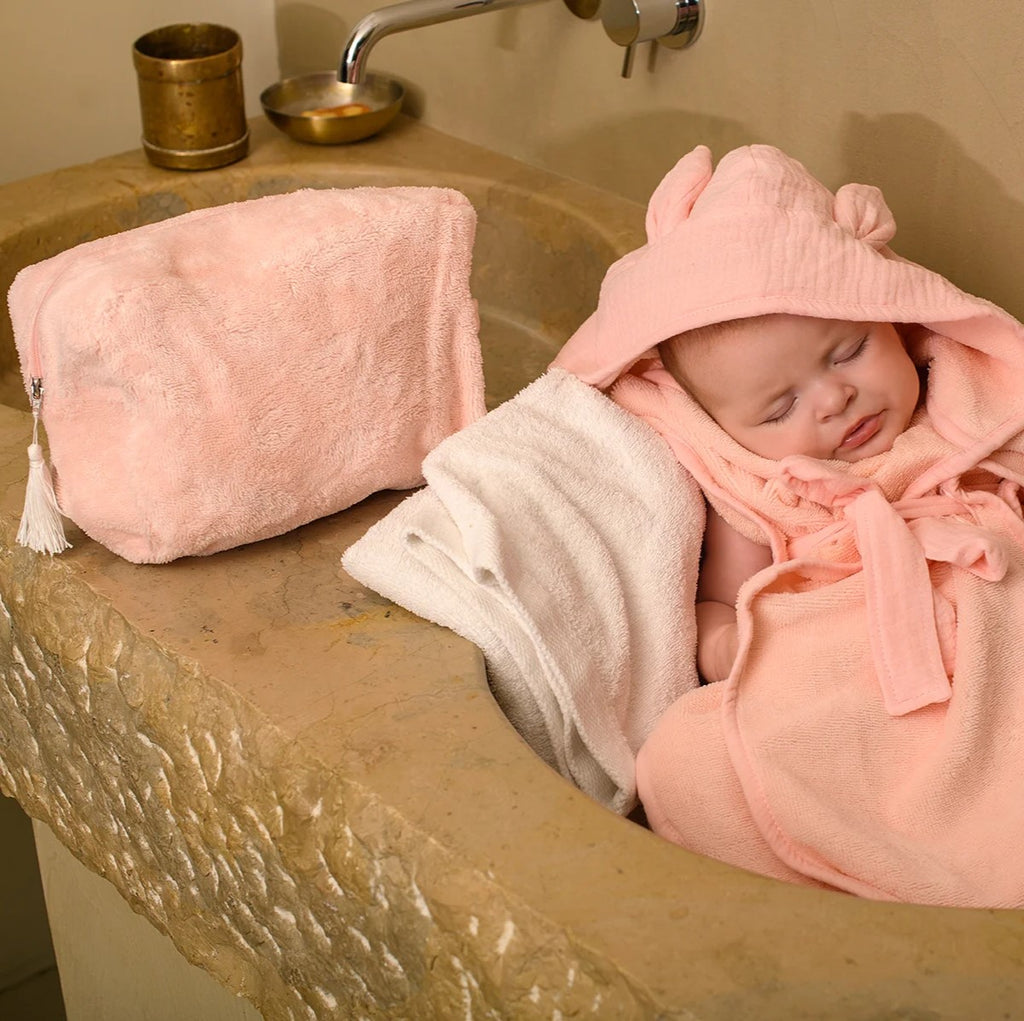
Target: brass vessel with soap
column 318, row 108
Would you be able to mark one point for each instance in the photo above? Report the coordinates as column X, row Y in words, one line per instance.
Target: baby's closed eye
column 780, row 410
column 850, row 352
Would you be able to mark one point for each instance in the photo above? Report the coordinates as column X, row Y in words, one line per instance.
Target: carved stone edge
column 293, row 885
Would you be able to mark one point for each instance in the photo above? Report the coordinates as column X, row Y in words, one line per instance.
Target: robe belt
column 895, row 542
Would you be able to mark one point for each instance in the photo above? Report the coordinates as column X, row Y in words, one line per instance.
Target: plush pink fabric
column 229, row 374
column 871, row 734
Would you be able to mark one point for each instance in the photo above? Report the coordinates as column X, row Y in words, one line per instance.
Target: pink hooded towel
column 870, row 736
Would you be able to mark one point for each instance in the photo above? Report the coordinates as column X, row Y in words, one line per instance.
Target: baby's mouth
column 862, row 432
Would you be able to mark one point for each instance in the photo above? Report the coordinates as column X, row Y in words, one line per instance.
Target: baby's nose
column 834, row 397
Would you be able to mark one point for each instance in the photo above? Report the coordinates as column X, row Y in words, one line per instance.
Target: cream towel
column 556, row 534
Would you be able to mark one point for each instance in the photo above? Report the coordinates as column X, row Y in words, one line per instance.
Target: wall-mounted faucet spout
column 399, row 17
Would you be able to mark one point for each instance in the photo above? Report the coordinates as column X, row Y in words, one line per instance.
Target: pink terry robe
column 870, row 736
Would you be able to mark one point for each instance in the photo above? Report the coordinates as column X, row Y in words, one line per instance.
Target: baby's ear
column 860, row 210
column 673, row 199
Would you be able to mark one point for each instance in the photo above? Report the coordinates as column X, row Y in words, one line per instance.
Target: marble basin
column 311, row 791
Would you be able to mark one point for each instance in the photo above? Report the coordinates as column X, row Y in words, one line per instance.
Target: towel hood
column 756, row 235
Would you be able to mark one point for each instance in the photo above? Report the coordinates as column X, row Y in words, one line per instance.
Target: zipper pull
column 41, row 527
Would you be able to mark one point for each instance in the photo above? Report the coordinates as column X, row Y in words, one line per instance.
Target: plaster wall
column 67, row 82
column 25, row 948
column 924, row 98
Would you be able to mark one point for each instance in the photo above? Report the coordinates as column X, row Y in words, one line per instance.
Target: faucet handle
column 674, row 23
column 627, row 60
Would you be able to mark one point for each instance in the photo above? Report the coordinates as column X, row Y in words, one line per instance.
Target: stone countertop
column 312, row 791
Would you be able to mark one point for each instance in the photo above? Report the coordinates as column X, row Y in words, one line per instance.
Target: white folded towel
column 557, row 534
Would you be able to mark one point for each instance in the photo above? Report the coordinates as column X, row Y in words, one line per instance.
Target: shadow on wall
column 309, row 38
column 640, row 148
column 952, row 214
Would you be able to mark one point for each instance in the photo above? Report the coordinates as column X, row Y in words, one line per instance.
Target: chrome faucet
column 399, row 17
column 673, row 23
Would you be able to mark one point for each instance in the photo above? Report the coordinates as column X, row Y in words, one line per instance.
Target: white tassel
column 41, row 526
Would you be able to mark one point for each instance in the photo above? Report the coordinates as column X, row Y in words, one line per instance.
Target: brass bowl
column 288, row 105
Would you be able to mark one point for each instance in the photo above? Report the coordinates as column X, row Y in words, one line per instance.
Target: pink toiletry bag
column 233, row 373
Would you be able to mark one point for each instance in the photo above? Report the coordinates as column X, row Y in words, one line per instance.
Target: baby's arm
column 728, row 559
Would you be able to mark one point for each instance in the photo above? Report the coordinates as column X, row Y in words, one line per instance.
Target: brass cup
column 190, row 92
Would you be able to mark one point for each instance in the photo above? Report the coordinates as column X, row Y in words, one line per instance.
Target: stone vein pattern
column 296, row 888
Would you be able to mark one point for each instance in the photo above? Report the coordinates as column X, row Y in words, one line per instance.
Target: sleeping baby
column 781, row 385
column 856, row 425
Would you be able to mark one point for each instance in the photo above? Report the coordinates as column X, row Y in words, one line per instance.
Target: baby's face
column 796, row 385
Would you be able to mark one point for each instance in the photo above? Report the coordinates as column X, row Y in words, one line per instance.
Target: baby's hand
column 717, row 640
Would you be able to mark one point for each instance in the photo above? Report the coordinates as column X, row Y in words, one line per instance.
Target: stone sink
column 311, row 792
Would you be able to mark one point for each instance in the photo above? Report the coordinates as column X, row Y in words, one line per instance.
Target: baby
column 865, row 730
column 782, row 385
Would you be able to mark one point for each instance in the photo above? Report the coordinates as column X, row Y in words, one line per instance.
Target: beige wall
column 25, row 947
column 923, row 97
column 67, row 82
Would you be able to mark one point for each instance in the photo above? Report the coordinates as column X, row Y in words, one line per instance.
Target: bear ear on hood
column 674, row 197
column 861, row 210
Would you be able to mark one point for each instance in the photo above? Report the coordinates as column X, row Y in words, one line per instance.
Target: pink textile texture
column 870, row 736
column 232, row 373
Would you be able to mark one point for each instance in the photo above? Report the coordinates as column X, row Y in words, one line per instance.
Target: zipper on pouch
column 41, row 527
